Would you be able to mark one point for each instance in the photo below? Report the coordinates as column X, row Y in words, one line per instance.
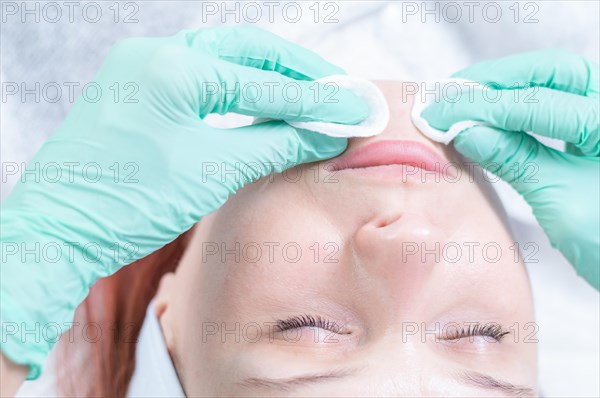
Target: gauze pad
column 375, row 123
column 432, row 90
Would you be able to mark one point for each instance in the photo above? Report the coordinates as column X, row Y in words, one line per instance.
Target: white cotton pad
column 375, row 123
column 434, row 90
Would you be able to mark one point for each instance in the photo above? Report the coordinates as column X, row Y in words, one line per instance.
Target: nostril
column 384, row 221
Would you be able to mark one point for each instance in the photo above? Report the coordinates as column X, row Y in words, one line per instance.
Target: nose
column 400, row 250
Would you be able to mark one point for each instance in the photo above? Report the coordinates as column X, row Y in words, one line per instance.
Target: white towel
column 154, row 374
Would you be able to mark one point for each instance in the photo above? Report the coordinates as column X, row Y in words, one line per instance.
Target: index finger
column 556, row 69
column 271, row 95
column 258, row 48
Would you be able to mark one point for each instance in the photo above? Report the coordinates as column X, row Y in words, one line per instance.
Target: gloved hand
column 563, row 103
column 132, row 176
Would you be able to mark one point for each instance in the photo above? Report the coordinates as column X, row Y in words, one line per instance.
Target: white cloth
column 154, row 374
column 375, row 123
column 424, row 99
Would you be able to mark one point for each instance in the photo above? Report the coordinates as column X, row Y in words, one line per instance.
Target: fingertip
column 478, row 143
column 315, row 146
column 356, row 108
column 434, row 115
column 333, row 105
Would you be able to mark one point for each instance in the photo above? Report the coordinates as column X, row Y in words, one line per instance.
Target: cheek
column 260, row 209
column 267, row 223
column 202, row 363
column 263, row 239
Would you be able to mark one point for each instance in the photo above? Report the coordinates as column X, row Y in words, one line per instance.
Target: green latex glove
column 563, row 103
column 137, row 175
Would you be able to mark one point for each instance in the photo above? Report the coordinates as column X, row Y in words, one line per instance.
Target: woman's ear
column 162, row 302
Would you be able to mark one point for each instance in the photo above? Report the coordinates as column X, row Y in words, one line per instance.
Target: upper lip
column 383, row 153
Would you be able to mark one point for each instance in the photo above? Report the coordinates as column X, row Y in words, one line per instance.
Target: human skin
column 395, row 311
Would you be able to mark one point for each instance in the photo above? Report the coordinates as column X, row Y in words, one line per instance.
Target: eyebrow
column 486, row 382
column 288, row 384
column 474, row 379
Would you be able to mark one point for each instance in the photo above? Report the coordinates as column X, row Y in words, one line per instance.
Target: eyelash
column 306, row 320
column 492, row 330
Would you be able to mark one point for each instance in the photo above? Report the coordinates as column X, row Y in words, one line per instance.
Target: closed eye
column 306, row 320
column 493, row 331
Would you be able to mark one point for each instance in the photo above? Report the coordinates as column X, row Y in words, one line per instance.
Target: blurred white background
column 372, row 39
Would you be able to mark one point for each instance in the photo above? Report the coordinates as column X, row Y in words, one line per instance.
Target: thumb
column 513, row 156
column 277, row 146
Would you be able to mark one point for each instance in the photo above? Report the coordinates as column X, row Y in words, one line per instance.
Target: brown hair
column 102, row 365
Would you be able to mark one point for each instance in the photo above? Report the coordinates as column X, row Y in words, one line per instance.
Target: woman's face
column 362, row 281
